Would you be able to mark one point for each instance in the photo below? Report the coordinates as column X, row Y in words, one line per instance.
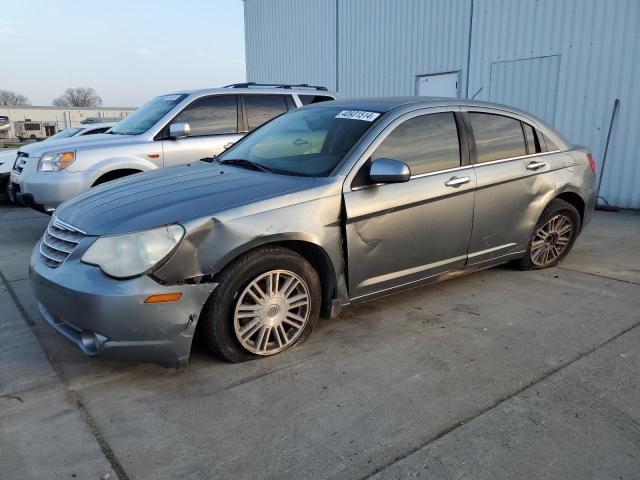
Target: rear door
column 215, row 123
column 403, row 233
column 514, row 179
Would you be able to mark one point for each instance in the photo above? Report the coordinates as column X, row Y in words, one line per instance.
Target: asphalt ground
column 498, row 374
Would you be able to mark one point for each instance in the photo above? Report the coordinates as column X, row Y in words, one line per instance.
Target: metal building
column 566, row 61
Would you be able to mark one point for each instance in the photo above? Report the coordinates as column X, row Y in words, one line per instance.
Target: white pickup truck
column 171, row 129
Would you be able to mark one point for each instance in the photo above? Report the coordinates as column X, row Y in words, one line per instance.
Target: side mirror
column 387, row 170
column 179, row 130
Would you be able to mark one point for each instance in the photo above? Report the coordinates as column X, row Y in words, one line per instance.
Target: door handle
column 228, row 145
column 457, row 181
column 300, row 141
column 535, row 165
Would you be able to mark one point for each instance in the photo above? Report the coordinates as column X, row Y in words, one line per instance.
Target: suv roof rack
column 275, row 85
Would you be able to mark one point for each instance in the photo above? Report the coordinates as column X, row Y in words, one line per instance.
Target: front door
column 403, row 233
column 214, row 123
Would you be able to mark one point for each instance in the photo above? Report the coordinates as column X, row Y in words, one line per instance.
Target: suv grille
column 20, row 162
column 58, row 242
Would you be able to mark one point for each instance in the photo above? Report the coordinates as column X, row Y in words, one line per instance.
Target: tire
column 545, row 236
column 227, row 316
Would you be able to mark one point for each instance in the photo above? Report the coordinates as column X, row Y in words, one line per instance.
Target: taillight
column 592, row 163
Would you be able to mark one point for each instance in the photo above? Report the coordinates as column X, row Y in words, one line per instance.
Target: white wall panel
column 291, row 41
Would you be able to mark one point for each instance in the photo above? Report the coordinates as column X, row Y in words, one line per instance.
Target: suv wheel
column 266, row 301
column 553, row 236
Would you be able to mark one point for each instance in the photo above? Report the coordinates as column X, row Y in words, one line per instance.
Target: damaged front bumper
column 104, row 316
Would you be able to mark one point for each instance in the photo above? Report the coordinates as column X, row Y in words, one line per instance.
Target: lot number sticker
column 358, row 115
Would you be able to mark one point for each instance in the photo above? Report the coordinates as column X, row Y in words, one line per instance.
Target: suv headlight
column 56, row 161
column 133, row 254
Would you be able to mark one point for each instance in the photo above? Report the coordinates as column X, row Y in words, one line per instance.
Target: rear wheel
column 266, row 301
column 553, row 237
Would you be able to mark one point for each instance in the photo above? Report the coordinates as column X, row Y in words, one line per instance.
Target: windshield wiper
column 241, row 162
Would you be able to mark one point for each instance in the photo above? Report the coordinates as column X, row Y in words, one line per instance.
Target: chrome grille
column 58, row 242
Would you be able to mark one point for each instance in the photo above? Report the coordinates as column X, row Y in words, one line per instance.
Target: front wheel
column 266, row 301
column 553, row 236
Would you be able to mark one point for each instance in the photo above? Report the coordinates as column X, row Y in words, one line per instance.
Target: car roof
column 386, row 104
column 255, row 90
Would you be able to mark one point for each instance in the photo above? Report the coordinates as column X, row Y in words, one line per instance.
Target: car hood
column 171, row 195
column 73, row 143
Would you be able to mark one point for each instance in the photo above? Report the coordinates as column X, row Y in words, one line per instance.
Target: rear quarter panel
column 573, row 174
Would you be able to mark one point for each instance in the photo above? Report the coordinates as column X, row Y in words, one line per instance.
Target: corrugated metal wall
column 597, row 43
column 565, row 61
column 541, row 77
column 385, row 44
column 291, row 41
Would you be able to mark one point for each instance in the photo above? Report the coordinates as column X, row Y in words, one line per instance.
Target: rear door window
column 551, row 146
column 309, row 99
column 427, row 143
column 213, row 115
column 497, row 137
column 533, row 145
column 262, row 108
column 291, row 105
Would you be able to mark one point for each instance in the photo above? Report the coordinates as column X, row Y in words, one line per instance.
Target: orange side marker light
column 163, row 297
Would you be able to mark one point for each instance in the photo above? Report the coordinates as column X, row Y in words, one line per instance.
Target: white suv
column 169, row 130
column 8, row 157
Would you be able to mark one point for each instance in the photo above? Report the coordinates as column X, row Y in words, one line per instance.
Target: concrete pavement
column 499, row 374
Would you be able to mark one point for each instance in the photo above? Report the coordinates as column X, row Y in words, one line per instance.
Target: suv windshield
column 308, row 142
column 146, row 116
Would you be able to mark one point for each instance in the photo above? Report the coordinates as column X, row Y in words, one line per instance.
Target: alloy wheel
column 272, row 312
column 551, row 240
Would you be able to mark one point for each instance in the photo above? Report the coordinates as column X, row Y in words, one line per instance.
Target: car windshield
column 146, row 116
column 68, row 132
column 307, row 142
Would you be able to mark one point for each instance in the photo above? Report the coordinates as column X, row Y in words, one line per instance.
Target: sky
column 128, row 50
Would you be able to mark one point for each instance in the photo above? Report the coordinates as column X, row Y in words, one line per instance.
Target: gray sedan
column 331, row 204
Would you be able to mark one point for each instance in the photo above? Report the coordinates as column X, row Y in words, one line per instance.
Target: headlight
column 56, row 161
column 133, row 254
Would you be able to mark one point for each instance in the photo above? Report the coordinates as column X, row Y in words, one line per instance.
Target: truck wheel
column 553, row 236
column 266, row 301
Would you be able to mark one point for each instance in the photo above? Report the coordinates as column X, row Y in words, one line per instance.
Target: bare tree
column 78, row 97
column 12, row 98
